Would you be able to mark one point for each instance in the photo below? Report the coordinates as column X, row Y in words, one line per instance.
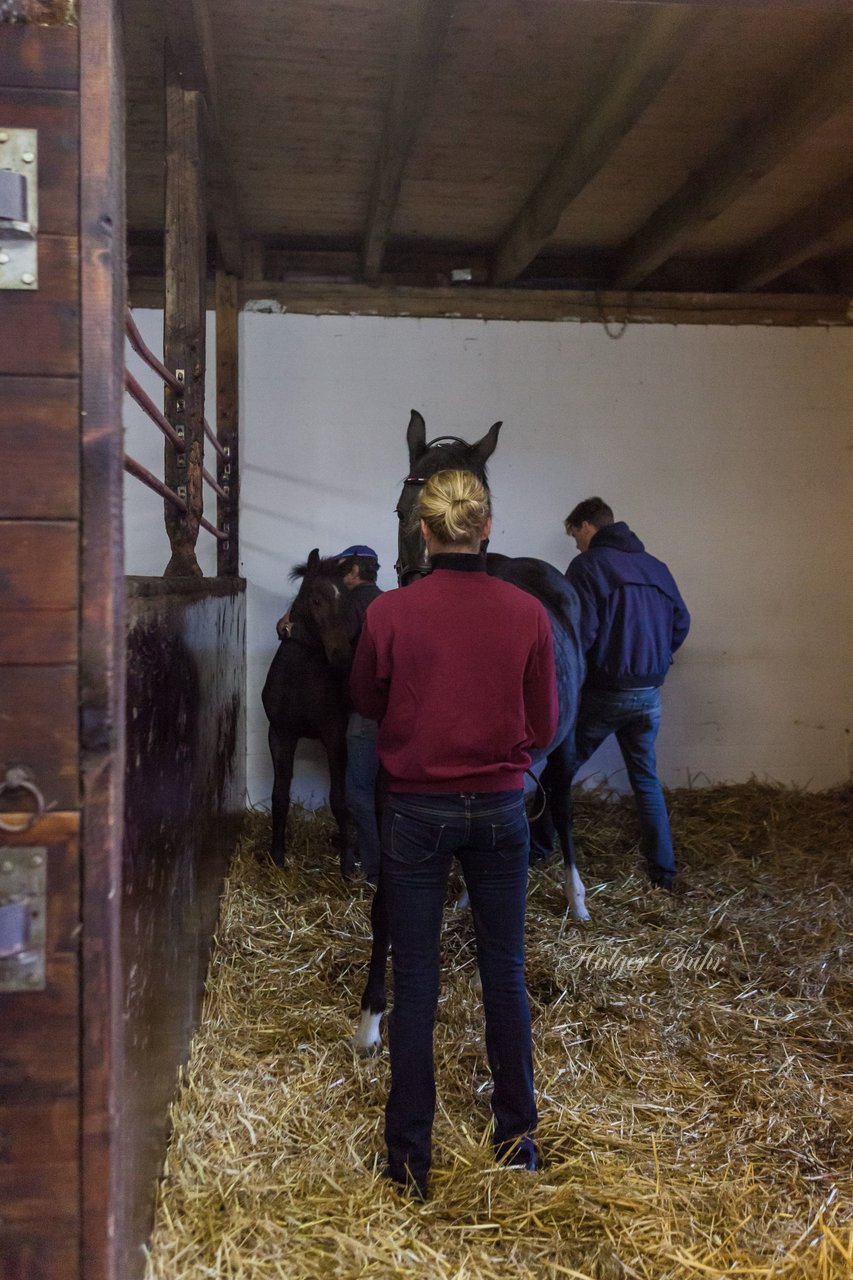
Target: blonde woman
column 459, row 670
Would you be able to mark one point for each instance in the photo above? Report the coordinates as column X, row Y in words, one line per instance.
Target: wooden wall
column 88, row 1065
column 40, row 1094
column 184, row 795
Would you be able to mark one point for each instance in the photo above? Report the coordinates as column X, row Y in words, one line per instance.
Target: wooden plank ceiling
column 517, row 157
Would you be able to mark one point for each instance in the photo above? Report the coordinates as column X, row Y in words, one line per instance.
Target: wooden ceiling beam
column 543, row 304
column 821, row 87
column 823, row 229
column 424, row 25
column 651, row 54
column 190, row 36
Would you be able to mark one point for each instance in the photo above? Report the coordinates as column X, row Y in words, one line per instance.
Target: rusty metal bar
column 138, row 344
column 135, row 468
column 217, row 533
column 145, row 402
column 217, row 489
column 211, row 435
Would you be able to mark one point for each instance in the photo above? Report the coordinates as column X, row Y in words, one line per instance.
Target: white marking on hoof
column 575, row 894
column 367, row 1040
column 463, row 902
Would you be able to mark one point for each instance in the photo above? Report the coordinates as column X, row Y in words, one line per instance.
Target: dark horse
column 306, row 695
column 547, row 584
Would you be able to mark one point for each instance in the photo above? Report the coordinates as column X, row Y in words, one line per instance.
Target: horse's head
column 441, row 454
column 318, row 613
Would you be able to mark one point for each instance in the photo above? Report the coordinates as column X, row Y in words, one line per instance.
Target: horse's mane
column 331, row 567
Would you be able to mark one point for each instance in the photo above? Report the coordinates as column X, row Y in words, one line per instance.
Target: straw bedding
column 693, row 1056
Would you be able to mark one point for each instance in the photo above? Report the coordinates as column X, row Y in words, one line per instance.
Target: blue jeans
column 362, row 770
column 634, row 716
column 421, row 834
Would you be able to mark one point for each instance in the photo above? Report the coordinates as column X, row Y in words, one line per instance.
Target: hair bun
column 455, row 507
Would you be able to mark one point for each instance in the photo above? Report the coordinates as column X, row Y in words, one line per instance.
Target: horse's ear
column 483, row 449
column 313, row 560
column 415, row 438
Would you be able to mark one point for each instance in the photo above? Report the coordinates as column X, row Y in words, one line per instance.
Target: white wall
column 728, row 450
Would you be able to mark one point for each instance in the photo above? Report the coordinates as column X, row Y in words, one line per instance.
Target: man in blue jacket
column 633, row 620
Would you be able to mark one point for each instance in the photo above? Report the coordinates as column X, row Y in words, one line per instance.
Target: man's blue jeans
column 421, row 834
column 362, row 771
column 634, row 716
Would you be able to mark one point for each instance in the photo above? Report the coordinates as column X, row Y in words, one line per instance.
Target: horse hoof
column 277, row 857
column 366, row 1051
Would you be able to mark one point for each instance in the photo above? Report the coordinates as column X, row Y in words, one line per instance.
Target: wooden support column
column 184, row 313
column 227, row 420
column 101, row 674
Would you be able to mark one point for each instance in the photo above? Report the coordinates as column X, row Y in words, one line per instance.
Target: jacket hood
column 616, row 535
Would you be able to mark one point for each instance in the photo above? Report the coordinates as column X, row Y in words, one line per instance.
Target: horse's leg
column 367, row 1039
column 335, row 742
column 542, row 832
column 561, row 768
column 282, row 750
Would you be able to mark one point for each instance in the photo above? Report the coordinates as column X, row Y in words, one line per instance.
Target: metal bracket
column 180, row 427
column 23, row 905
column 18, row 209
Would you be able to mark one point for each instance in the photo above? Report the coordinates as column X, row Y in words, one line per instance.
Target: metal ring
column 14, row 781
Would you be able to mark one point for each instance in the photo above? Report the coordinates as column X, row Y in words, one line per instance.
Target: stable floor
column 694, row 1064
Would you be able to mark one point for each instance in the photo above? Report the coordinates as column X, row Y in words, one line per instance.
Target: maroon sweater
column 459, row 669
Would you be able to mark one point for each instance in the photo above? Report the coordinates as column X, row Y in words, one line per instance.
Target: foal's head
column 319, row 612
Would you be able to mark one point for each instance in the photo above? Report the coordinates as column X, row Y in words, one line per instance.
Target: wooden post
column 227, row 421
column 102, row 632
column 184, row 314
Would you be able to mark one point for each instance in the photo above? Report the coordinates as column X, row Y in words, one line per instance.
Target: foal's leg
column 282, row 750
column 367, row 1039
column 561, row 768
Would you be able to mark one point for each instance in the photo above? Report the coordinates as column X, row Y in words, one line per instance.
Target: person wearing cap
column 362, row 757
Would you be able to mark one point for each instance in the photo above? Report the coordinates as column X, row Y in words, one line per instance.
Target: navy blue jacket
column 357, row 600
column 632, row 616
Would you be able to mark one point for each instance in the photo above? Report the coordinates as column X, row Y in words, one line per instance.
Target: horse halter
column 407, row 573
column 421, row 570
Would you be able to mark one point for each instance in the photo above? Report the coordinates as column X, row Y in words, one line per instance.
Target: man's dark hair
column 367, row 567
column 594, row 511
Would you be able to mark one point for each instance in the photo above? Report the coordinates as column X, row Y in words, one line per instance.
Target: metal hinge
column 19, row 209
column 23, row 898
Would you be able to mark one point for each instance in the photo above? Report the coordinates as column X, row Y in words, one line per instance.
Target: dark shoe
column 520, row 1153
column 406, row 1185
